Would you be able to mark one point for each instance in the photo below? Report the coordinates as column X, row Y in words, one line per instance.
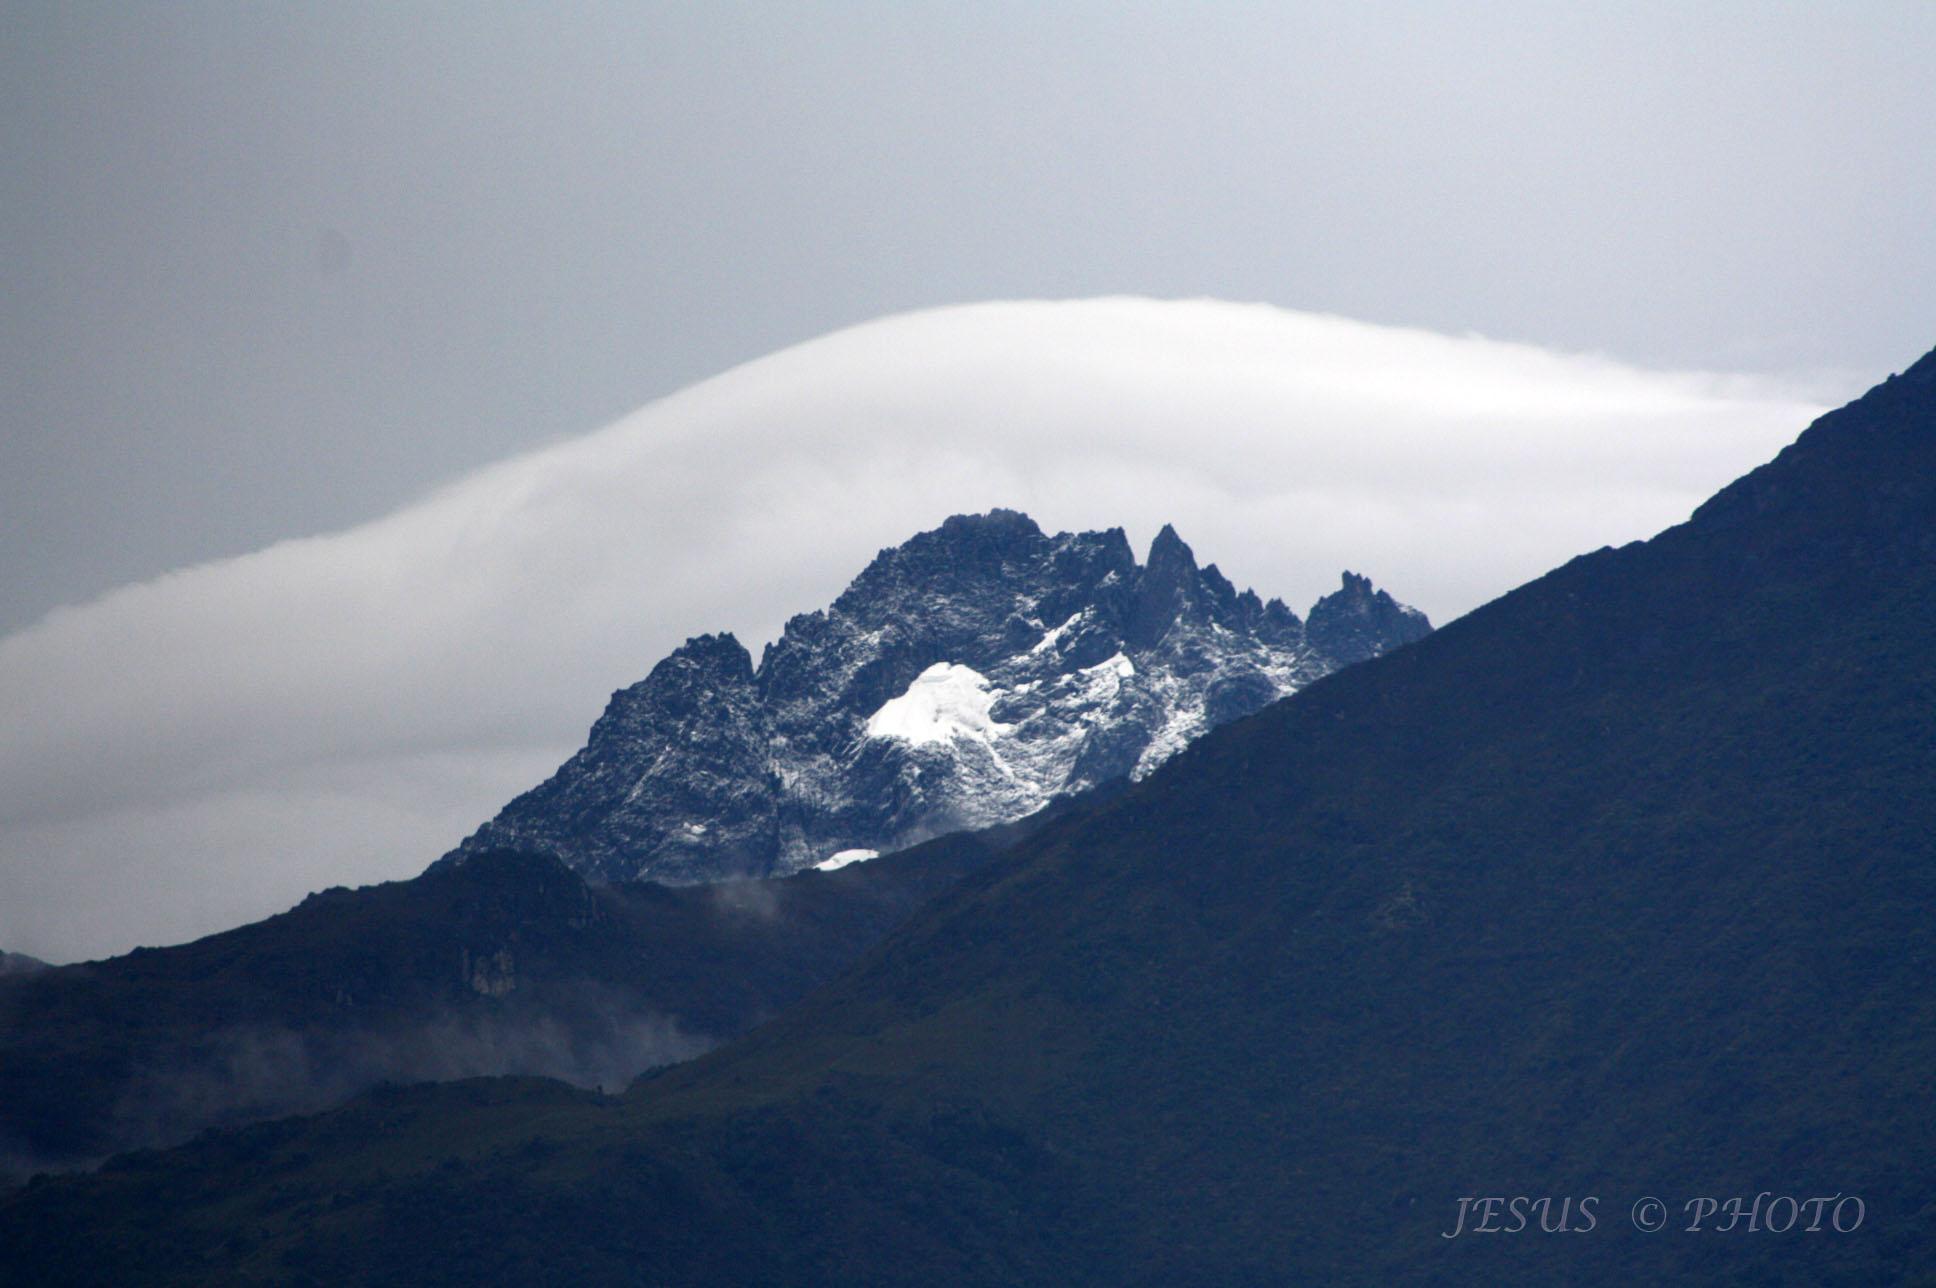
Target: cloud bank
column 203, row 749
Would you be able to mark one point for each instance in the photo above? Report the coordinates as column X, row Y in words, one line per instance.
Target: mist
column 589, row 1034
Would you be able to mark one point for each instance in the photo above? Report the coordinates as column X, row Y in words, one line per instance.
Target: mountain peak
column 968, row 676
column 1358, row 622
column 1171, row 588
column 1169, row 549
column 718, row 654
column 967, row 549
column 1007, row 522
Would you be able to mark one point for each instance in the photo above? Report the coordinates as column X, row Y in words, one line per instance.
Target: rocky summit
column 967, row 677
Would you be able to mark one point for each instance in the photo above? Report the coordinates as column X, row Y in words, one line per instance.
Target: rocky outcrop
column 1357, row 623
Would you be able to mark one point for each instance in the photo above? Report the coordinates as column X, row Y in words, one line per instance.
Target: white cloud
column 204, row 748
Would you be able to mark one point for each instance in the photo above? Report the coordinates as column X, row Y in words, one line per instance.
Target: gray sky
column 274, row 269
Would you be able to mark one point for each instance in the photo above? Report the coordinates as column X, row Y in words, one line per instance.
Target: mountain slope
column 1620, row 886
column 510, row 963
column 19, row 964
column 966, row 678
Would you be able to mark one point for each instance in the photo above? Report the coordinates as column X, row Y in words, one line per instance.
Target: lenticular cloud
column 202, row 749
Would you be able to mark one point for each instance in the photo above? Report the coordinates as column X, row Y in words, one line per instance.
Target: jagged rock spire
column 1357, row 622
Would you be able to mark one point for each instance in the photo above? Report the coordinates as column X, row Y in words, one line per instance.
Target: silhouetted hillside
column 509, row 964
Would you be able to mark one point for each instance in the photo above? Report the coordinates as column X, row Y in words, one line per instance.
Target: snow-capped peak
column 966, row 677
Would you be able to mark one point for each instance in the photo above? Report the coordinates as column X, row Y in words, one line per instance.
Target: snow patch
column 1111, row 669
column 945, row 702
column 842, row 858
column 1052, row 638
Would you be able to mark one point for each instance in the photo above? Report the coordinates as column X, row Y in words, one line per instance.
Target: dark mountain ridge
column 19, row 964
column 1622, row 886
column 510, row 963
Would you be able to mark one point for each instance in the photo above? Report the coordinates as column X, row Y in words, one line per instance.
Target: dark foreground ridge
column 1619, row 887
column 510, row 963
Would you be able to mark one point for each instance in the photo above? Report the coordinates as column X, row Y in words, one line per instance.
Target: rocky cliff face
column 966, row 678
